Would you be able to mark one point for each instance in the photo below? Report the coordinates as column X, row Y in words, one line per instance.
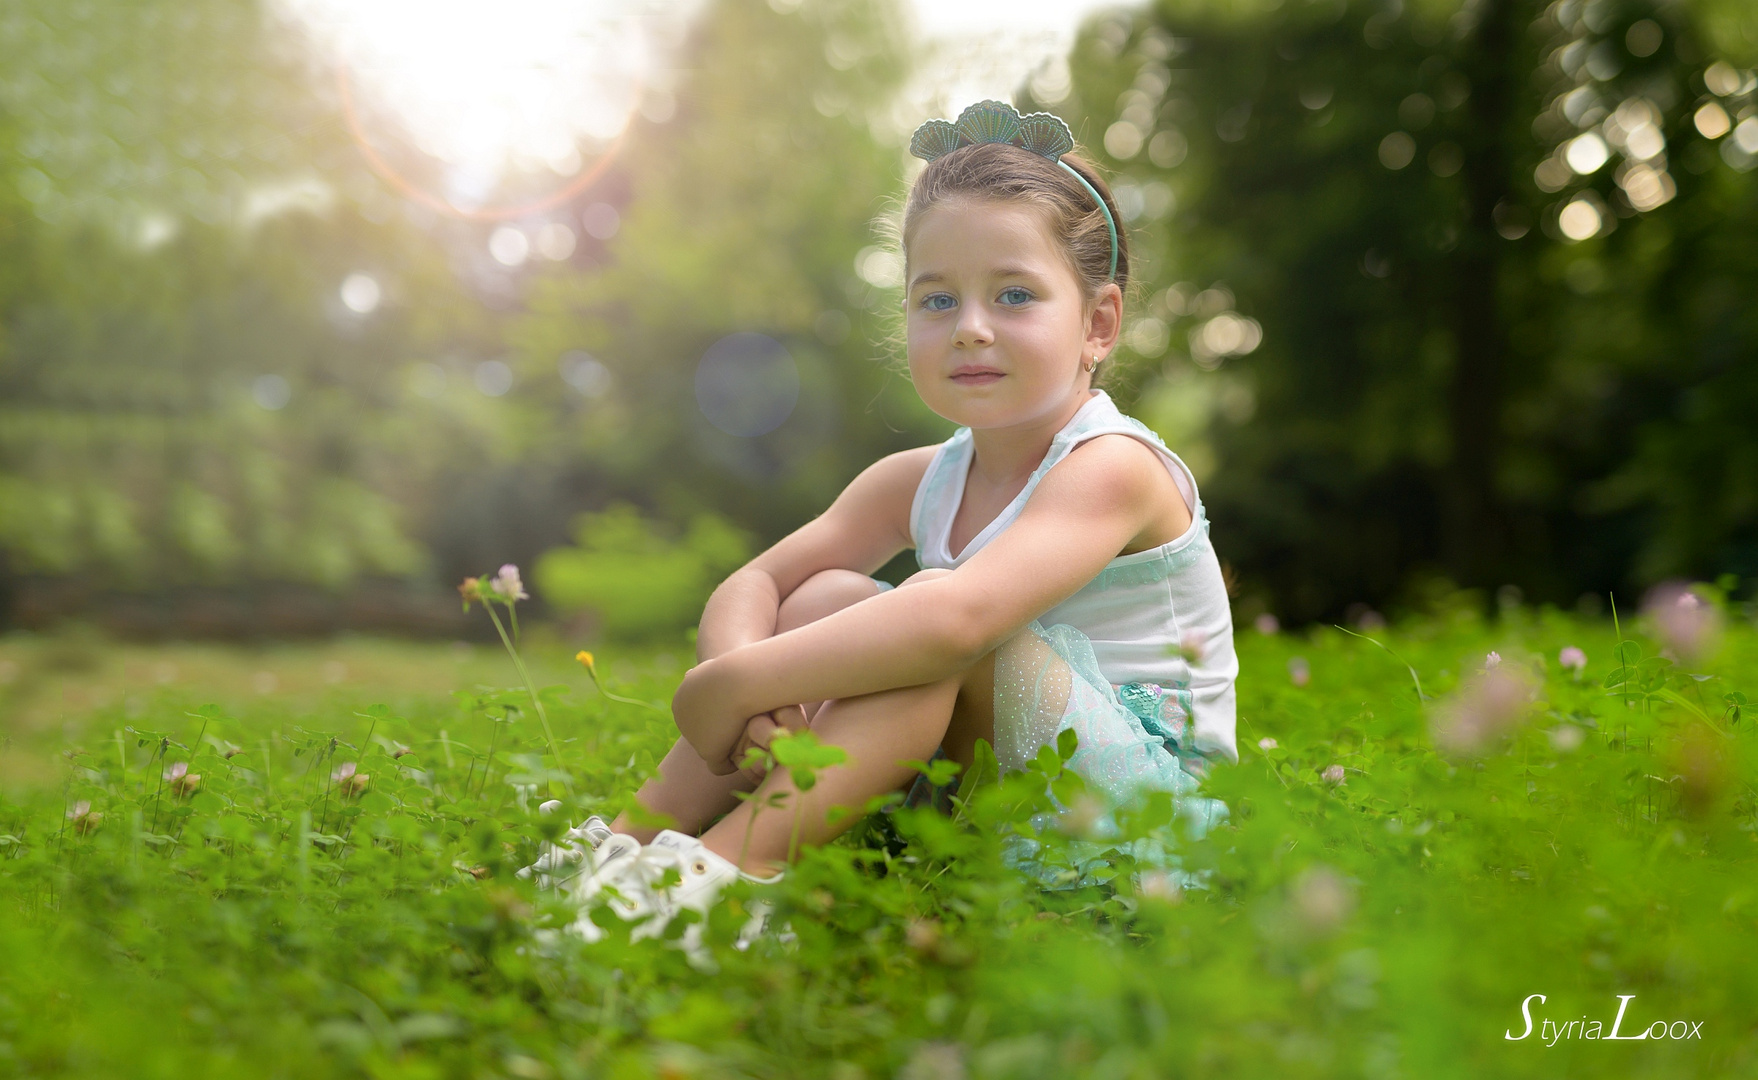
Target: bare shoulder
column 904, row 468
column 875, row 506
column 1119, row 475
column 887, row 487
column 1114, row 464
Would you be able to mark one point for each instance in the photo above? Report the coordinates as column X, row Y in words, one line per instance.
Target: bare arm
column 866, row 525
column 1085, row 510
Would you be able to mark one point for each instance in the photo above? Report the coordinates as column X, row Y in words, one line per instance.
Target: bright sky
column 483, row 84
column 988, row 47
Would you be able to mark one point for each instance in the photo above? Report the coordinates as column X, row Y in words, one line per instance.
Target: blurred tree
column 186, row 395
column 1496, row 250
column 750, row 212
column 230, row 354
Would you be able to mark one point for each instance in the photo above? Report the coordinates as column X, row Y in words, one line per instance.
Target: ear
column 1105, row 321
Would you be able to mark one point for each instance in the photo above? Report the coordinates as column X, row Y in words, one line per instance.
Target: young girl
column 1067, row 581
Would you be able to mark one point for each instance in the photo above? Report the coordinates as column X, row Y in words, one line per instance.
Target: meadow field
column 300, row 860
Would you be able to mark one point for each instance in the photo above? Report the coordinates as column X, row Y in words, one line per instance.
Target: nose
column 972, row 328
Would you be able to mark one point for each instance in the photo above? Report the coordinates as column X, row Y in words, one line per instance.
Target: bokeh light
column 1148, row 337
column 1123, row 140
column 1552, row 174
column 493, row 378
column 747, row 384
column 1168, row 149
column 555, row 241
column 1587, row 153
column 1646, row 188
column 1512, row 220
column 271, row 392
column 361, row 293
column 583, row 371
column 1446, row 159
column 509, row 246
column 1226, row 333
column 1579, row 220
column 879, row 267
column 1711, row 120
column 1746, row 134
column 1643, row 38
column 600, row 220
column 1721, row 79
column 1397, row 150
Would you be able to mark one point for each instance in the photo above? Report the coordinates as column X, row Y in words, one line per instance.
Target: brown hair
column 1003, row 172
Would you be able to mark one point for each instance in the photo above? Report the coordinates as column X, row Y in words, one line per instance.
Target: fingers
column 791, row 717
column 762, row 728
column 759, row 731
column 755, row 772
column 754, row 736
column 720, row 766
column 713, row 758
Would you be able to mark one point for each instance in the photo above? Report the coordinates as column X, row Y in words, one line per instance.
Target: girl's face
column 998, row 331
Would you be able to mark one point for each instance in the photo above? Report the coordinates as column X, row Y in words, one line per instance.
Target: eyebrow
column 927, row 276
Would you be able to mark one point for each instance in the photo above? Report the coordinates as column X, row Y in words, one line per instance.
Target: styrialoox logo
column 1551, row 1032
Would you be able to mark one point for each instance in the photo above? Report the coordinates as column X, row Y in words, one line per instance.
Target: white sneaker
column 584, row 849
column 640, row 897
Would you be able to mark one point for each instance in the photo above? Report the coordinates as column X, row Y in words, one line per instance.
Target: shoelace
column 570, row 851
column 652, row 863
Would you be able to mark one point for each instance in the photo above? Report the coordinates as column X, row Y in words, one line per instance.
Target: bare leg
column 685, row 791
column 878, row 731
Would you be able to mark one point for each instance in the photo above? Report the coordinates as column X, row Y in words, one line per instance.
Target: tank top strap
column 941, row 490
column 1112, row 421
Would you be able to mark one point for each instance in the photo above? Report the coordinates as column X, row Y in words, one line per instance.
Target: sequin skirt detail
column 1133, row 739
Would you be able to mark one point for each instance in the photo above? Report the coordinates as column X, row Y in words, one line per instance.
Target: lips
column 971, row 375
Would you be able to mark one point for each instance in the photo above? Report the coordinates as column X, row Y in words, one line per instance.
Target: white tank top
column 1141, row 607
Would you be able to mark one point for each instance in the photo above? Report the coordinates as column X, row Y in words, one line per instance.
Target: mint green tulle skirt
column 1132, row 739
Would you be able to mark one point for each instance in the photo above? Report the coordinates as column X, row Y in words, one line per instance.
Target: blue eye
column 1019, row 295
column 932, row 301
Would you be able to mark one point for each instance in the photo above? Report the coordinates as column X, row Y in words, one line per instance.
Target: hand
column 707, row 717
column 759, row 730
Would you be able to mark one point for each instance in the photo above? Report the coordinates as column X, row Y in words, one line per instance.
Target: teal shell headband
column 999, row 122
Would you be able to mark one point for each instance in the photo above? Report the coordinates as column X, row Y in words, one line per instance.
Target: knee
column 823, row 593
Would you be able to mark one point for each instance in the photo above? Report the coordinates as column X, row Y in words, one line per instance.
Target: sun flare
column 485, row 87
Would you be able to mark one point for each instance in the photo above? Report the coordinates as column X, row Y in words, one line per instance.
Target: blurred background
column 310, row 308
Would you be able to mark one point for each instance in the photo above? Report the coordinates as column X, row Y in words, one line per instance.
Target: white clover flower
column 507, row 585
column 1688, row 624
column 1491, row 703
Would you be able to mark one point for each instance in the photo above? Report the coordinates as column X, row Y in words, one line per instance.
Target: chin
column 982, row 414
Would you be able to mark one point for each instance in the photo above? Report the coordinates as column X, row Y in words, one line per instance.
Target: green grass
column 274, row 921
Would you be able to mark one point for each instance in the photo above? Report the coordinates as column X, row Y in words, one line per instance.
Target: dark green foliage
column 284, row 917
column 1447, row 384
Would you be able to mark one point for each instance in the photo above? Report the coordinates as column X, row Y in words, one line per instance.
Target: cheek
column 920, row 338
